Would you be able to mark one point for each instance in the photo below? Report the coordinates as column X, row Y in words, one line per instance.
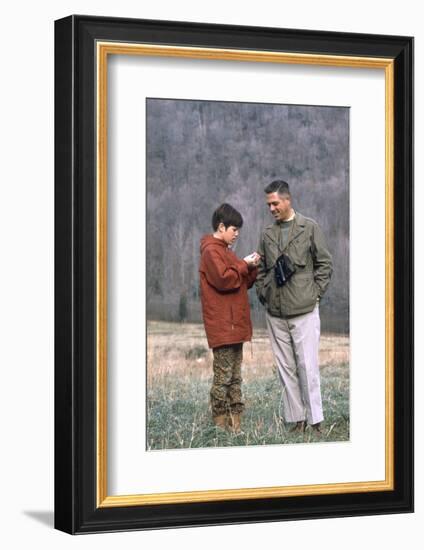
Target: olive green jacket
column 307, row 249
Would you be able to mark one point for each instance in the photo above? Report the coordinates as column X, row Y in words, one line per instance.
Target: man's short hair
column 227, row 215
column 278, row 186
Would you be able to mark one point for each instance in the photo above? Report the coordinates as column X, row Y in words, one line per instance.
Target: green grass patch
column 179, row 414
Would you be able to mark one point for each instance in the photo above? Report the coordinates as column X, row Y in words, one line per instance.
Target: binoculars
column 284, row 269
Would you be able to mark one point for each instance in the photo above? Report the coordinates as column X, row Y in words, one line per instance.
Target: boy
column 224, row 280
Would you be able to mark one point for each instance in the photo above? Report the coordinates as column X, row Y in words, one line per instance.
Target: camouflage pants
column 226, row 386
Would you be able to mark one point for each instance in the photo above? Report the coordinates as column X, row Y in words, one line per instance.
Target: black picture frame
column 76, row 483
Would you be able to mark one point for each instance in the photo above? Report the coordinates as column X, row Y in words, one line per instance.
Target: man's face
column 280, row 207
column 229, row 235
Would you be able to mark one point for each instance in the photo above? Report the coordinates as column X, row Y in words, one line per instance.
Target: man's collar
column 291, row 218
column 273, row 231
column 299, row 219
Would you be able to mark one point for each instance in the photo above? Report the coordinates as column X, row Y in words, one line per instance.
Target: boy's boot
column 220, row 421
column 235, row 422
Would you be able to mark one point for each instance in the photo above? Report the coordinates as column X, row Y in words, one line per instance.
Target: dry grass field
column 179, row 375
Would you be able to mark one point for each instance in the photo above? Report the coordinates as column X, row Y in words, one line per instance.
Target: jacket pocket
column 301, row 292
column 299, row 250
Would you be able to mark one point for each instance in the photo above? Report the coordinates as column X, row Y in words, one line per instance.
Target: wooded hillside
column 202, row 153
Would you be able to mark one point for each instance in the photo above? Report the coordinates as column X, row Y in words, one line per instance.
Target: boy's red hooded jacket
column 224, row 280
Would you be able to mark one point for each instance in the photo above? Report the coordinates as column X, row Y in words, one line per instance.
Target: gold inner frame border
column 103, row 50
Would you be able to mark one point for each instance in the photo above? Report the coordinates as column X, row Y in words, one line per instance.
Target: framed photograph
column 233, row 274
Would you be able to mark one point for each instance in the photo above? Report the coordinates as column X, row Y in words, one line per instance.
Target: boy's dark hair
column 278, row 186
column 227, row 215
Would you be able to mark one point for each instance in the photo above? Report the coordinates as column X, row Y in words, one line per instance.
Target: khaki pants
column 225, row 394
column 295, row 343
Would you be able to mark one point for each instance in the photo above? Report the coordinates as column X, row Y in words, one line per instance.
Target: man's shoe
column 316, row 429
column 299, row 427
column 220, row 421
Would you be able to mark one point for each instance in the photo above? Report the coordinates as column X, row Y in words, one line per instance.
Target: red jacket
column 224, row 280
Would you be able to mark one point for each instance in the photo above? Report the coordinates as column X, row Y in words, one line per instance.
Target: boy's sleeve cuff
column 244, row 268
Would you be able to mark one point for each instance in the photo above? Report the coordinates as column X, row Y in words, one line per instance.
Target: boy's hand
column 253, row 259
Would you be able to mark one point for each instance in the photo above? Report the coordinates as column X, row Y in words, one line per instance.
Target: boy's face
column 228, row 235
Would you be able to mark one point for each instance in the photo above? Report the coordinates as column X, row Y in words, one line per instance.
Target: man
column 293, row 275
